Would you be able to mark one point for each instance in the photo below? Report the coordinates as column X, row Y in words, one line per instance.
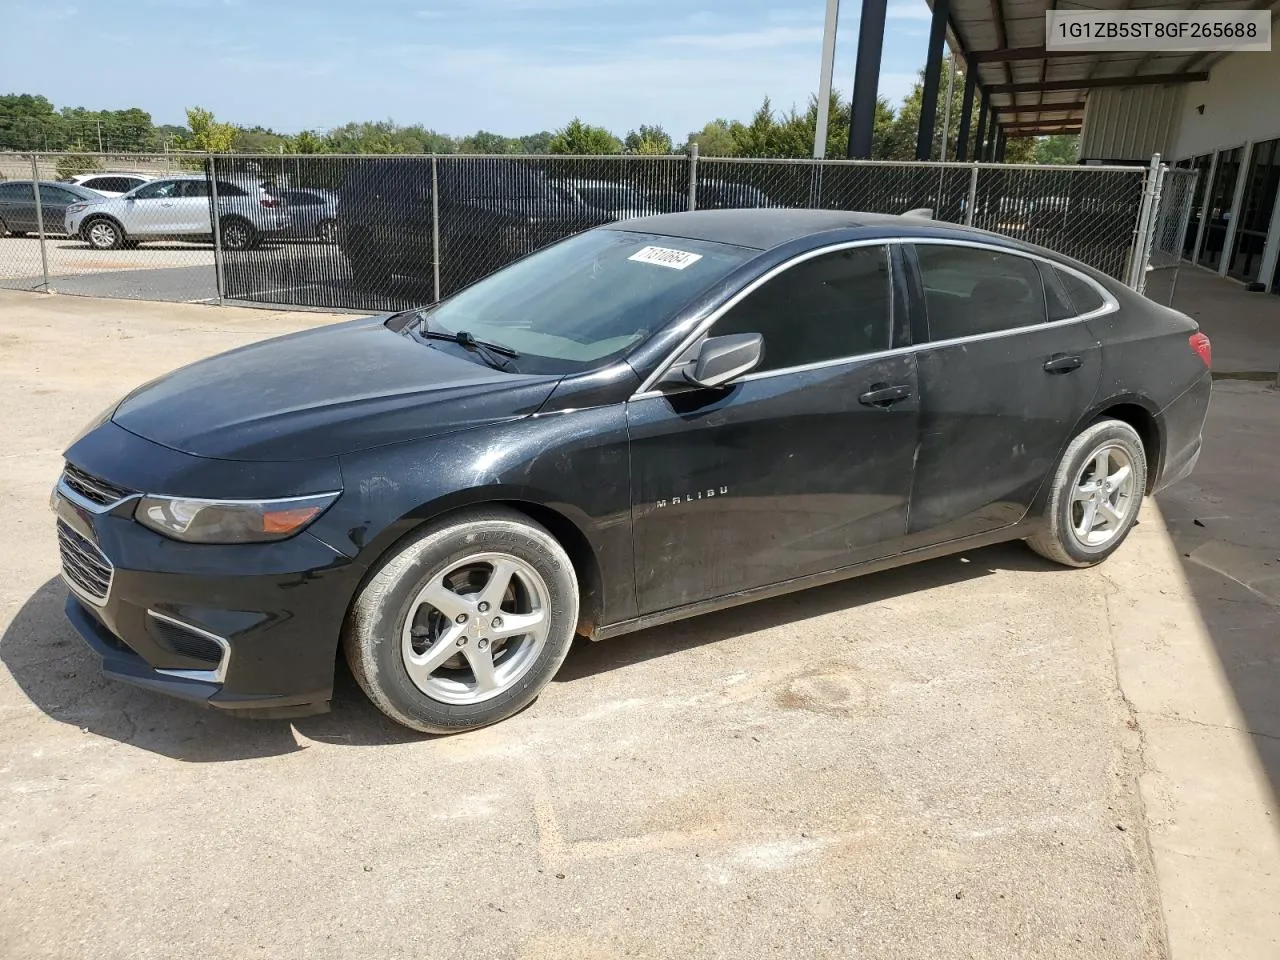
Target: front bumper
column 251, row 628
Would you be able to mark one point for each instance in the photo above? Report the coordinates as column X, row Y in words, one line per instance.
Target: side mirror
column 721, row 359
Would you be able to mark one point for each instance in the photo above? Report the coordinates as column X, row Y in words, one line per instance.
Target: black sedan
column 647, row 421
column 19, row 215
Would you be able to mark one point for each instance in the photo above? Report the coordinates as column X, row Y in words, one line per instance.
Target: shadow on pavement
column 1225, row 522
column 61, row 675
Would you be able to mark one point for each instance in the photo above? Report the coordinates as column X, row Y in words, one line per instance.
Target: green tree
column 26, row 122
column 647, row 140
column 1020, row 150
column 582, row 138
column 308, row 141
column 1062, row 148
column 258, row 140
column 207, row 134
column 482, row 141
column 536, row 143
column 713, row 140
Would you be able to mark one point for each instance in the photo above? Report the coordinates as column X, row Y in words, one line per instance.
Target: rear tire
column 237, row 234
column 327, row 231
column 464, row 624
column 103, row 234
column 1095, row 496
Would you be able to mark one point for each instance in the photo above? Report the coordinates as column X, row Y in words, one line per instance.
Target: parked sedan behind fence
column 18, row 206
column 313, row 214
column 179, row 208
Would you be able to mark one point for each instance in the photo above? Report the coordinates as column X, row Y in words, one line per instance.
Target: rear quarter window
column 1084, row 295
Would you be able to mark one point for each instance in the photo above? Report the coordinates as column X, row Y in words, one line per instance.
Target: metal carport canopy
column 1036, row 92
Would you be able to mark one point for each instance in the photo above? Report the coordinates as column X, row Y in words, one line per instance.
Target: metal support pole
column 980, row 138
column 824, row 79
column 866, row 78
column 932, row 74
column 435, row 226
column 215, row 216
column 1000, row 144
column 1142, row 241
column 966, row 112
column 44, row 254
column 973, row 196
column 693, row 176
column 1237, row 208
column 1184, row 218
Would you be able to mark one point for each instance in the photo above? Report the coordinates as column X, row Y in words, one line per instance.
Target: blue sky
column 510, row 66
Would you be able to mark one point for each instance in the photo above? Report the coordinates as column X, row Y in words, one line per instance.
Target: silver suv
column 179, row 208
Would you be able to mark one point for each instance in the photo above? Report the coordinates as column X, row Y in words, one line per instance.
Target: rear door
column 53, row 207
column 1006, row 372
column 803, row 465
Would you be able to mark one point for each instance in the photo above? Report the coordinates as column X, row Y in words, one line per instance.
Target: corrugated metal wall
column 1130, row 123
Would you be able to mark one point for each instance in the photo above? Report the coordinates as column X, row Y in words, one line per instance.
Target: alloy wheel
column 102, row 235
column 476, row 629
column 1102, row 497
column 235, row 236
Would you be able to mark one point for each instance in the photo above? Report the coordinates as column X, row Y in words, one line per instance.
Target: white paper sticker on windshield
column 666, row 257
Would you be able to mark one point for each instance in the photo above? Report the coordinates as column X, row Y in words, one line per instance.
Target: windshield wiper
column 496, row 355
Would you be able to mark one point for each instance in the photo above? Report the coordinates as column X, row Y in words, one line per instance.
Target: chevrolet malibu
column 644, row 422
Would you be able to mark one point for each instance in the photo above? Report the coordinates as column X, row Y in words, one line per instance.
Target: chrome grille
column 94, row 489
column 84, row 567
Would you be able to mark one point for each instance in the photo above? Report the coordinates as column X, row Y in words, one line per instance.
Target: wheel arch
column 91, row 218
column 1141, row 414
column 563, row 522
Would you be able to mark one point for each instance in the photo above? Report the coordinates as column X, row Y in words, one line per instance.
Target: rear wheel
column 465, row 624
column 327, row 230
column 103, row 234
column 1096, row 494
column 237, row 234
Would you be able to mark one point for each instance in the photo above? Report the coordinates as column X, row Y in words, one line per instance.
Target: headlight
column 77, row 207
column 230, row 521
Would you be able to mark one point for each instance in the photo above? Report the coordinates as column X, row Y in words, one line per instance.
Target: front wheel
column 1096, row 493
column 465, row 624
column 104, row 234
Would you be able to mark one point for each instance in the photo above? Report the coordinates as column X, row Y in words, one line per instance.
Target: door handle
column 883, row 395
column 1062, row 363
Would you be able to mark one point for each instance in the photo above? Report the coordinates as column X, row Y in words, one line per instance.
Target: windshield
column 589, row 299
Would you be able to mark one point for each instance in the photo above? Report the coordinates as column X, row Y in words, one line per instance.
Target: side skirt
column 1015, row 531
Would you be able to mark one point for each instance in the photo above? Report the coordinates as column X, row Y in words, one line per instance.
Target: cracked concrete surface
column 931, row 762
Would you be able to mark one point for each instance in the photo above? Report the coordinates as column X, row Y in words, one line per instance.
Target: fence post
column 215, row 215
column 1184, row 219
column 435, row 226
column 693, row 176
column 1142, row 242
column 973, row 195
column 44, row 253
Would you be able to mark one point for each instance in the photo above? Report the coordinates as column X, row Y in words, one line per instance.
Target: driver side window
column 157, row 190
column 828, row 307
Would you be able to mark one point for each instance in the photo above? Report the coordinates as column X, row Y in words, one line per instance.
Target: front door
column 151, row 210
column 1005, row 377
column 803, row 465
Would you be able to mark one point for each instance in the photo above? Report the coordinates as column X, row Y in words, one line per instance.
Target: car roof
column 766, row 228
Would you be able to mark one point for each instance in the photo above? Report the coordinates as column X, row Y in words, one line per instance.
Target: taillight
column 1200, row 344
column 269, row 201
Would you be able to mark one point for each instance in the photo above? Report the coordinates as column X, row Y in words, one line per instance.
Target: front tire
column 464, row 624
column 103, row 234
column 1095, row 496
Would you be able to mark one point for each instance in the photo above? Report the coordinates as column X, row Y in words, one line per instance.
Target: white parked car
column 179, row 208
column 110, row 184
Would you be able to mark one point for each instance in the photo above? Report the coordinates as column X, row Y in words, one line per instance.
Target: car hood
column 322, row 393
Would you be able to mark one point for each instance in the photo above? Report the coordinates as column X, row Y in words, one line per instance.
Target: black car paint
column 757, row 501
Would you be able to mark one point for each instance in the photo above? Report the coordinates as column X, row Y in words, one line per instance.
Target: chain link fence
column 1178, row 190
column 387, row 232
column 157, row 247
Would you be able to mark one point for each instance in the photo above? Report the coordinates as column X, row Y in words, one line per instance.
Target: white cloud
column 748, row 40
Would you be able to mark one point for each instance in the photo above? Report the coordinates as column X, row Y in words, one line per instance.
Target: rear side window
column 972, row 290
column 1055, row 297
column 195, row 188
column 831, row 306
column 226, row 189
column 116, row 184
column 1084, row 296
column 17, row 191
